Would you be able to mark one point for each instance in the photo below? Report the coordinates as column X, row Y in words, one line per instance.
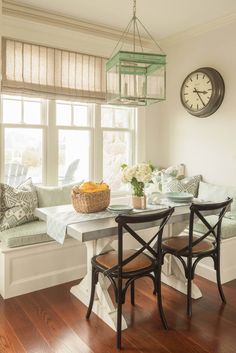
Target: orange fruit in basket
column 90, row 186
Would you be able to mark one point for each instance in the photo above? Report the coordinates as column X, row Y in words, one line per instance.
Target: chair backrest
column 125, row 222
column 219, row 208
column 69, row 175
column 15, row 173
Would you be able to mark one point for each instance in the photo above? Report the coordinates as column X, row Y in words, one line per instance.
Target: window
column 23, row 135
column 58, row 142
column 117, row 130
column 73, row 121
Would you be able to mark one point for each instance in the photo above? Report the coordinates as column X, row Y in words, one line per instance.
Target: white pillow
column 211, row 192
column 54, row 195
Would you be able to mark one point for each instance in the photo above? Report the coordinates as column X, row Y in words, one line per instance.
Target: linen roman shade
column 52, row 73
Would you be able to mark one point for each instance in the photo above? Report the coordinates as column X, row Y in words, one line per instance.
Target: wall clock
column 202, row 92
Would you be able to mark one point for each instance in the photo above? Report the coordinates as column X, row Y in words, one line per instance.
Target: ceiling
column 162, row 18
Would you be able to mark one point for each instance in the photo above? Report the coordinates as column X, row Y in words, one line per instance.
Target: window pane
column 116, row 151
column 80, row 115
column 11, row 111
column 32, row 112
column 107, row 117
column 63, row 114
column 116, row 117
column 23, row 155
column 74, row 145
column 122, row 118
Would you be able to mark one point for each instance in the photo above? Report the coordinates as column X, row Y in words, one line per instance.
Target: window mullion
column 98, row 145
column 51, row 146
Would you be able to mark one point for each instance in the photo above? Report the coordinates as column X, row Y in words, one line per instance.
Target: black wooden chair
column 195, row 248
column 123, row 267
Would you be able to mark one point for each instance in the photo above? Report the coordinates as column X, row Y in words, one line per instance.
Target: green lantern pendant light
column 135, row 78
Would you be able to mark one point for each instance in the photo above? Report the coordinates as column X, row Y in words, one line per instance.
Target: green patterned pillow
column 162, row 176
column 189, row 184
column 17, row 204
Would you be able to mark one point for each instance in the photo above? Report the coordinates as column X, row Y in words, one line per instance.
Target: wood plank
column 9, row 343
column 24, row 328
column 53, row 320
column 51, row 326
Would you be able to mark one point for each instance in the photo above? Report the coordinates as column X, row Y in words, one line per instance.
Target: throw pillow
column 17, row 204
column 216, row 193
column 161, row 176
column 189, row 184
column 54, row 195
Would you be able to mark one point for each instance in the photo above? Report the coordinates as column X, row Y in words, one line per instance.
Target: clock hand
column 203, row 92
column 195, row 91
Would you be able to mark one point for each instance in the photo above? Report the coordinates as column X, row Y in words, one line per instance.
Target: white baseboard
column 29, row 268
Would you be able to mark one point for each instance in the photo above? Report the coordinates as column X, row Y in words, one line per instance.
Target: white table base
column 172, row 275
column 102, row 305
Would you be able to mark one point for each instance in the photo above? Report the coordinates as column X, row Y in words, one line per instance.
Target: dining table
column 99, row 235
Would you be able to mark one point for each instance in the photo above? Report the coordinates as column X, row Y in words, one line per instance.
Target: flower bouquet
column 137, row 175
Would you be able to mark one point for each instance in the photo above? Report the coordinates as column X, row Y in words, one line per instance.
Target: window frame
column 50, row 133
column 42, row 126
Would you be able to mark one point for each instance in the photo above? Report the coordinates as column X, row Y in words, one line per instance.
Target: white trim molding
column 198, row 30
column 35, row 14
column 30, row 13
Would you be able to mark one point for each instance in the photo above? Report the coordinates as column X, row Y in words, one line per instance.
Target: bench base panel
column 205, row 268
column 34, row 267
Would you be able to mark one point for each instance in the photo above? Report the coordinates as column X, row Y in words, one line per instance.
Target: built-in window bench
column 43, row 263
column 31, row 260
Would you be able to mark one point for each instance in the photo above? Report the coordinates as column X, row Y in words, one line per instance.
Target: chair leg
column 217, row 267
column 119, row 314
column 189, row 287
column 132, row 293
column 189, row 297
column 159, row 298
column 93, row 286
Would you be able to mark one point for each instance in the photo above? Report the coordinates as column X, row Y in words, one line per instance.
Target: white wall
column 206, row 146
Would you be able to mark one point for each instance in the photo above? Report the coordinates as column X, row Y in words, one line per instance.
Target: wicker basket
column 86, row 202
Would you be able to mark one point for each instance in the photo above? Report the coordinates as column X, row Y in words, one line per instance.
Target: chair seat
column 181, row 241
column 110, row 259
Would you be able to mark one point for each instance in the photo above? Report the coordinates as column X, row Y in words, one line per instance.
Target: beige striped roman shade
column 52, row 73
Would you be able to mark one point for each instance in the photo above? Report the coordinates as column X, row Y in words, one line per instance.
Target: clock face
column 202, row 92
column 197, row 91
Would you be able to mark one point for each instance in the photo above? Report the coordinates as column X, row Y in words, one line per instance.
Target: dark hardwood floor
column 53, row 320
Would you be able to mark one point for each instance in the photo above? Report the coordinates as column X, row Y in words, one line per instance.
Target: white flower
column 128, row 173
column 143, row 173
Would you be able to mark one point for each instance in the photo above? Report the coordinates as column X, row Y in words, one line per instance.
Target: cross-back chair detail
column 123, row 267
column 196, row 248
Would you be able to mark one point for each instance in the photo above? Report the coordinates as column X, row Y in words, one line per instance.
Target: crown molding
column 198, row 30
column 30, row 13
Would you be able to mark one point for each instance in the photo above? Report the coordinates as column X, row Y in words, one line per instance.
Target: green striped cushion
column 228, row 228
column 26, row 234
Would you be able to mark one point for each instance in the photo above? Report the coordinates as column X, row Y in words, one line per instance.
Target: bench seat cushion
column 228, row 228
column 26, row 234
